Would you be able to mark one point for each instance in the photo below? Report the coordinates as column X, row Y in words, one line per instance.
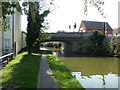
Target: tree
column 40, row 35
column 30, row 39
column 7, row 8
column 94, row 45
column 97, row 43
column 35, row 20
column 96, row 3
column 114, row 47
column 35, row 34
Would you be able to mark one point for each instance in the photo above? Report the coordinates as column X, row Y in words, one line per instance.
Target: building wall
column 116, row 32
column 17, row 32
column 83, row 29
column 14, row 30
column 23, row 40
column 0, row 43
column 106, row 32
column 7, row 37
column 109, row 33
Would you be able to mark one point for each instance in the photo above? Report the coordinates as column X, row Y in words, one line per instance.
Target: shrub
column 114, row 47
column 94, row 45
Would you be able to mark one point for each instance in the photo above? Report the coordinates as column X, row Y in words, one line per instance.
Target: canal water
column 92, row 72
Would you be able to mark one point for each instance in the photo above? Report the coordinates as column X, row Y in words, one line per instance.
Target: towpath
column 45, row 77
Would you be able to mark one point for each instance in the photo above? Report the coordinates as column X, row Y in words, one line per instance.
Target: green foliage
column 94, row 45
column 62, row 74
column 114, row 47
column 22, row 72
column 35, row 34
column 6, row 9
column 86, row 47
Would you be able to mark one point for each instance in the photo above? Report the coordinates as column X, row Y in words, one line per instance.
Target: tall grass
column 62, row 74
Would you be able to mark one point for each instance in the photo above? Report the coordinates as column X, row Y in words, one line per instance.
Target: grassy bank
column 62, row 74
column 22, row 72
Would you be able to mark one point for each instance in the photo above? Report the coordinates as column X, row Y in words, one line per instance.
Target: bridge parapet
column 70, row 35
column 71, row 40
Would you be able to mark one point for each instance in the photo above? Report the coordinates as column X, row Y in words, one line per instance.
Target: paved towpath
column 45, row 78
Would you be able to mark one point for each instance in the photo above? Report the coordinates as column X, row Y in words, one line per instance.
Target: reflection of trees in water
column 91, row 66
column 103, row 79
column 95, row 78
column 119, row 66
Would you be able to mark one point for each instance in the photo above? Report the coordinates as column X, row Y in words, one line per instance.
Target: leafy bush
column 114, row 47
column 94, row 45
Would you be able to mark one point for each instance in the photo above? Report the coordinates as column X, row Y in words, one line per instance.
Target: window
column 109, row 34
column 8, row 23
column 105, row 31
column 7, row 46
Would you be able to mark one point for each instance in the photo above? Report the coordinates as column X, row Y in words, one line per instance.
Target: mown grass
column 22, row 72
column 62, row 74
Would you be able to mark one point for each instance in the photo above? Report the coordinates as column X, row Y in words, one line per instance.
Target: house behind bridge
column 103, row 27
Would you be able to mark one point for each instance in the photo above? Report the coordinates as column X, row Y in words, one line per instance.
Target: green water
column 94, row 72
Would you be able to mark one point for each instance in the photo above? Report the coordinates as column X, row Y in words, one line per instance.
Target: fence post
column 14, row 50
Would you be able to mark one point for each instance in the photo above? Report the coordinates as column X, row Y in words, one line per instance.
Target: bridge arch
column 66, row 45
column 71, row 40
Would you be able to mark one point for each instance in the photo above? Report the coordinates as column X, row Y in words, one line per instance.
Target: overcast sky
column 68, row 12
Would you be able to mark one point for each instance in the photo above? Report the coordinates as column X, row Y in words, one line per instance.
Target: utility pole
column 104, row 25
column 74, row 27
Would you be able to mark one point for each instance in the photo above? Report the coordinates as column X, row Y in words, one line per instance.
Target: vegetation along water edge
column 62, row 74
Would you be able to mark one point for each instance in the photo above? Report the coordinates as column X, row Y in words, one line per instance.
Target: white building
column 116, row 32
column 11, row 39
column 0, row 43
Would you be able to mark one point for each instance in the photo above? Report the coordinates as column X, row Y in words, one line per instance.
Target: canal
column 92, row 72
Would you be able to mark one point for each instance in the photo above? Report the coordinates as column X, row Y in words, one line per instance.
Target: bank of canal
column 92, row 72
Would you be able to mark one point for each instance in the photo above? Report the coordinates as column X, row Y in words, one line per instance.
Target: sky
column 68, row 12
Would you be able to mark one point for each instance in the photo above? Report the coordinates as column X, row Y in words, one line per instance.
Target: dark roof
column 95, row 25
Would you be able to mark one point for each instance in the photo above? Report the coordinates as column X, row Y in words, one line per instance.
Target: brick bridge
column 71, row 40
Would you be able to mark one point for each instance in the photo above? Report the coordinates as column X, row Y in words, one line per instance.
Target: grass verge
column 21, row 72
column 62, row 74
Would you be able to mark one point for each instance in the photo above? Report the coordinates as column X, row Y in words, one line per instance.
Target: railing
column 5, row 59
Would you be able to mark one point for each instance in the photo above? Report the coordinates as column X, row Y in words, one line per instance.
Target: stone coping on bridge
column 70, row 32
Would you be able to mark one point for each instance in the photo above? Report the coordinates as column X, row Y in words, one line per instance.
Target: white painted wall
column 23, row 40
column 18, row 37
column 8, row 36
column 17, row 32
